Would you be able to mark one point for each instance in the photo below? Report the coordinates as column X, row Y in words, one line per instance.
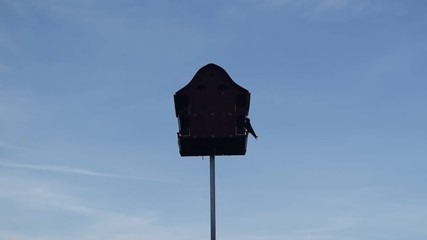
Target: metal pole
column 212, row 170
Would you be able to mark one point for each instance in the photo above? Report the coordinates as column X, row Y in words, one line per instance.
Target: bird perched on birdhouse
column 249, row 128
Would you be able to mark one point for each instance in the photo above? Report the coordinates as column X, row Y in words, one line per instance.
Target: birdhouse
column 212, row 114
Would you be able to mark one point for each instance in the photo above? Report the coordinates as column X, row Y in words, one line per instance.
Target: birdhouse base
column 190, row 146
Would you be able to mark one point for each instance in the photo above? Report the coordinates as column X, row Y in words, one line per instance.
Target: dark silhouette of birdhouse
column 212, row 114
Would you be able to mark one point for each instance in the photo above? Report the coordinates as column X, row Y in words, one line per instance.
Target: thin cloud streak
column 101, row 223
column 7, row 145
column 309, row 8
column 62, row 169
column 4, row 234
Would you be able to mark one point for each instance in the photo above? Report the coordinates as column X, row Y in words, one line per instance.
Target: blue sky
column 88, row 146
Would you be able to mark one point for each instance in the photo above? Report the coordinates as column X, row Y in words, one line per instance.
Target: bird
column 248, row 127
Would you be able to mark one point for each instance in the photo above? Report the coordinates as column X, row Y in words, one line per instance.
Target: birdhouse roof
column 211, row 76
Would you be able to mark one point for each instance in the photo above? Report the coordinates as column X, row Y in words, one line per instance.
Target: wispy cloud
column 8, row 145
column 323, row 3
column 316, row 8
column 10, row 235
column 329, row 231
column 62, row 206
column 71, row 170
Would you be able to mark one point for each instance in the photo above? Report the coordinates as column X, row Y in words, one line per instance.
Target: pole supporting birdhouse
column 212, row 188
column 212, row 112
